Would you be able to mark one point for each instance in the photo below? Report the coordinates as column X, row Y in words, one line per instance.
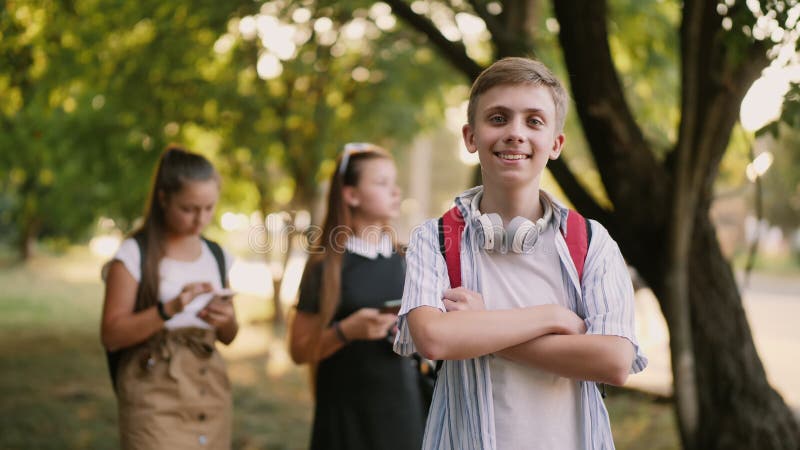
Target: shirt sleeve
column 608, row 293
column 128, row 254
column 310, row 284
column 426, row 281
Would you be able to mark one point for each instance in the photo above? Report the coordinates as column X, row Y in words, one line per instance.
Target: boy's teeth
column 512, row 157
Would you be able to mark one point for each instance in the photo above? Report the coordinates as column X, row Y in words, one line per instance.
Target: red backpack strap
column 451, row 226
column 578, row 235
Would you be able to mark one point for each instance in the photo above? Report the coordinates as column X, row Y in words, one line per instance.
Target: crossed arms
column 549, row 337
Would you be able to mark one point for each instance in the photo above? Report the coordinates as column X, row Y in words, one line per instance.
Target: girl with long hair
column 164, row 310
column 366, row 396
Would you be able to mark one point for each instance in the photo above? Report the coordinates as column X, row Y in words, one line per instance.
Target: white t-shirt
column 533, row 409
column 174, row 275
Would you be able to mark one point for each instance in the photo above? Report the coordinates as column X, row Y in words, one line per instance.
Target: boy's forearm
column 470, row 334
column 600, row 358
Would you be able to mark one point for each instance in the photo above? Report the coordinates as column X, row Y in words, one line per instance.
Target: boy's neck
column 510, row 203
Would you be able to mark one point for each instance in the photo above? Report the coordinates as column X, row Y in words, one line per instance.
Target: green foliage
column 645, row 48
column 93, row 89
column 92, row 85
column 781, row 183
column 350, row 79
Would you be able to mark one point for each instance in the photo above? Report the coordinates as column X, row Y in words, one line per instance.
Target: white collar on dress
column 363, row 248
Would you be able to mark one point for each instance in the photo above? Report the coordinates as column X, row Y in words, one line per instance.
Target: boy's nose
column 514, row 137
column 514, row 132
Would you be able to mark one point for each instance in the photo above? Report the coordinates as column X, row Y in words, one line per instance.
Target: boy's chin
column 512, row 180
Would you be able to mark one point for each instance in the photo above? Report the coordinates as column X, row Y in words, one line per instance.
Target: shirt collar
column 368, row 250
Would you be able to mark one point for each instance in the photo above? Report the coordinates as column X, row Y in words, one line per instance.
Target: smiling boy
column 526, row 339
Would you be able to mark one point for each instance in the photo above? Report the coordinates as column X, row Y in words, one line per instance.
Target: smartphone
column 225, row 293
column 391, row 306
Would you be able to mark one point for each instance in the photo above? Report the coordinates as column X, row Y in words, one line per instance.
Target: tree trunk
column 738, row 407
column 277, row 307
column 28, row 234
column 27, row 245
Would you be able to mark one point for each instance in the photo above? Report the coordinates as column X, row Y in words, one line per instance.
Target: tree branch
column 492, row 23
column 455, row 52
column 579, row 197
column 715, row 78
column 632, row 176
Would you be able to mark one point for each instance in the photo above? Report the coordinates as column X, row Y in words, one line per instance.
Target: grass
column 57, row 395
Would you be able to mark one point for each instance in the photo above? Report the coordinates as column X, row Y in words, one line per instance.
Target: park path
column 772, row 305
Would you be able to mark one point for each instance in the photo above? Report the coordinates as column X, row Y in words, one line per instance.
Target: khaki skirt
column 173, row 393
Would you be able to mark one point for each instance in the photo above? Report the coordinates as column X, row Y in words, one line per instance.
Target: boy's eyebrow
column 507, row 109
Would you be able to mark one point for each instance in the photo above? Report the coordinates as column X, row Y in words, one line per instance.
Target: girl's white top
column 175, row 275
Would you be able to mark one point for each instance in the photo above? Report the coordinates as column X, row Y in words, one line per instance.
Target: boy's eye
column 535, row 121
column 496, row 119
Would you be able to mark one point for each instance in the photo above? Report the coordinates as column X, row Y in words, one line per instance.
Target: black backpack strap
column 588, row 234
column 141, row 242
column 219, row 256
column 442, row 247
column 113, row 358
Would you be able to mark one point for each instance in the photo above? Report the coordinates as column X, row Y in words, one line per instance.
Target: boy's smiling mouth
column 509, row 156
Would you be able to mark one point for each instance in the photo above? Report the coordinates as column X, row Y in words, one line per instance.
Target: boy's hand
column 462, row 299
column 569, row 322
column 367, row 324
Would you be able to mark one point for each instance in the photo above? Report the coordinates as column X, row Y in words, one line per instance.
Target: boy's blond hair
column 515, row 70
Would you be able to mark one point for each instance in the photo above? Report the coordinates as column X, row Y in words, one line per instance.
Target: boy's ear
column 351, row 197
column 469, row 138
column 558, row 144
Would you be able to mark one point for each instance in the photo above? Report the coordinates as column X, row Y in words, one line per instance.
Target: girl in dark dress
column 367, row 397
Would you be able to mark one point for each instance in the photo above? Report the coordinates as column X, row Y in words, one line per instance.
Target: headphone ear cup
column 491, row 232
column 522, row 234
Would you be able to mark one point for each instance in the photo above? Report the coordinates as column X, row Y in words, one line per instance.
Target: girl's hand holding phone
column 368, row 324
column 187, row 294
column 219, row 311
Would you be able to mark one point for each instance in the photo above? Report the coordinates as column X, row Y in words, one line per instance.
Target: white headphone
column 519, row 237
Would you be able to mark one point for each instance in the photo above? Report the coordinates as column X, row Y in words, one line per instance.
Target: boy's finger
column 456, row 296
column 449, row 293
column 450, row 305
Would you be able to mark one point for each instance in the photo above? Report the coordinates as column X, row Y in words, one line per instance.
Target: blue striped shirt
column 461, row 416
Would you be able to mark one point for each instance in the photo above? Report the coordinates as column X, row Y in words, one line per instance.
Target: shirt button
column 203, row 371
column 202, row 439
column 201, row 417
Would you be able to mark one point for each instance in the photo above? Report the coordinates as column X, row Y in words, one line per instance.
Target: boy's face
column 514, row 134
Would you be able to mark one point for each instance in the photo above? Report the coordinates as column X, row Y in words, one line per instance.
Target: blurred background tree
column 92, row 90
